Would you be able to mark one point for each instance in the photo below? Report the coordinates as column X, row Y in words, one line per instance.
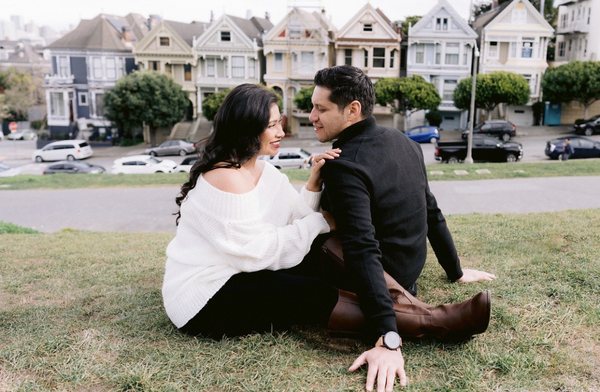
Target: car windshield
column 305, row 152
column 154, row 160
column 84, row 144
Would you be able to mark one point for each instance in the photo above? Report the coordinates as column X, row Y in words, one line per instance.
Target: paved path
column 150, row 208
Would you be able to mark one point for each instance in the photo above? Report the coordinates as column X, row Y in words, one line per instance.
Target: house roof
column 419, row 29
column 253, row 27
column 484, row 19
column 104, row 32
column 187, row 31
column 308, row 20
column 20, row 52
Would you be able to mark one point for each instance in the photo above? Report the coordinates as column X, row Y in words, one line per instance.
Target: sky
column 62, row 14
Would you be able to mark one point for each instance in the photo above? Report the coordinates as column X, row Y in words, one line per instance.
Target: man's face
column 327, row 119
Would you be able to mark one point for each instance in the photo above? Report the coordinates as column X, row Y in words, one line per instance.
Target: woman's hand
column 315, row 182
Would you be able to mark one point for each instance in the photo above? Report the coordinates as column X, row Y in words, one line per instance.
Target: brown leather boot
column 446, row 322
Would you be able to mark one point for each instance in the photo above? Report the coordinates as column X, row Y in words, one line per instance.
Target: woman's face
column 272, row 135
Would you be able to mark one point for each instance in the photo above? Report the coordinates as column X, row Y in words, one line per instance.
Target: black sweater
column 378, row 193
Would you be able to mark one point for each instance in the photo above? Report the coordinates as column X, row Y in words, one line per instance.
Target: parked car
column 172, row 147
column 485, row 149
column 289, row 158
column 588, row 127
column 186, row 165
column 501, row 129
column 582, row 147
column 7, row 171
column 73, row 167
column 63, row 150
column 142, row 164
column 23, row 134
column 423, row 134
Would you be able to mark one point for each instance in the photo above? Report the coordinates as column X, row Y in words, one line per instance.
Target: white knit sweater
column 221, row 234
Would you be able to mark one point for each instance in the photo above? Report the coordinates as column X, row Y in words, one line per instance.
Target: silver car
column 290, row 157
column 172, row 147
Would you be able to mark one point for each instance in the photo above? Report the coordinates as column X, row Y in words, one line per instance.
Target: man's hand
column 472, row 275
column 383, row 365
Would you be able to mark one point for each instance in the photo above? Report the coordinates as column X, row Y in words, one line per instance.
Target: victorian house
column 295, row 49
column 86, row 62
column 440, row 49
column 168, row 49
column 370, row 41
column 229, row 53
column 514, row 37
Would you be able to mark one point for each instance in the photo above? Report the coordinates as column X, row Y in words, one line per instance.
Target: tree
column 18, row 90
column 303, row 99
column 407, row 94
column 491, row 90
column 146, row 98
column 211, row 104
column 576, row 81
column 408, row 21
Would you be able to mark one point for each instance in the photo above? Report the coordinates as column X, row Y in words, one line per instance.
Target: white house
column 440, row 49
column 514, row 37
column 577, row 31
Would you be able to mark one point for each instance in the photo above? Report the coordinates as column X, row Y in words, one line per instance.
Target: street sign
column 12, row 126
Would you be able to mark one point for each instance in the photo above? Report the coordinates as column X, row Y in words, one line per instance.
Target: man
column 378, row 194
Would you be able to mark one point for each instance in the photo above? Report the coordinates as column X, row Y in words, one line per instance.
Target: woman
column 241, row 228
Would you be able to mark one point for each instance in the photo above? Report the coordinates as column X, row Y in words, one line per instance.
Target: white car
column 289, row 158
column 23, row 134
column 186, row 165
column 62, row 150
column 7, row 171
column 142, row 164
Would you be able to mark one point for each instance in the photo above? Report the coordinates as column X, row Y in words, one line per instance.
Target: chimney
column 153, row 21
column 267, row 16
column 212, row 16
column 248, row 14
column 126, row 34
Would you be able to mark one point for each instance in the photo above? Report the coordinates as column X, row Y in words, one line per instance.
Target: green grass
column 83, row 311
column 10, row 228
column 587, row 167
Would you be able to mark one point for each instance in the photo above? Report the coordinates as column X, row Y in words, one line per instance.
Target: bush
column 434, row 118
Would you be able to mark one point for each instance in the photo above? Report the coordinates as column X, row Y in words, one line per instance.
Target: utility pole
column 469, row 158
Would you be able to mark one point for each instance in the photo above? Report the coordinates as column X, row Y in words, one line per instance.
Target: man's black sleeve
column 348, row 199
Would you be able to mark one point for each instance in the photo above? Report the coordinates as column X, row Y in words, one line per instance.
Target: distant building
column 577, row 31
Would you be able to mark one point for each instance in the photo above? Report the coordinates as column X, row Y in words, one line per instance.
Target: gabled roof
column 484, row 19
column 248, row 30
column 187, row 31
column 308, row 20
column 456, row 18
column 368, row 11
column 104, row 32
column 253, row 27
column 490, row 17
column 21, row 53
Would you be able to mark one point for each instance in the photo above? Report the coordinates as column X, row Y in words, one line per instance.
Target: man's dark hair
column 347, row 84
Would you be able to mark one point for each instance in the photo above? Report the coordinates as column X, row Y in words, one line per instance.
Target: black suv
column 588, row 127
column 501, row 129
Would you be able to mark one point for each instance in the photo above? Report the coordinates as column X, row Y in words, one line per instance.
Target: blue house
column 86, row 62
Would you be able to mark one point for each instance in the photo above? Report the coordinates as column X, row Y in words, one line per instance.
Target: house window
column 366, row 55
column 187, row 72
column 348, row 56
column 438, row 54
column 589, row 15
column 82, row 99
column 392, row 56
column 295, row 31
column 367, row 26
column 531, row 82
column 252, row 68
column 561, row 49
column 153, row 65
column 420, row 54
column 63, row 66
column 111, row 68
column 307, row 60
column 527, row 48
column 120, row 67
column 441, row 24
column 493, row 51
column 210, row 67
column 448, row 89
column 379, row 57
column 164, row 41
column 237, row 67
column 279, row 62
column 452, row 53
column 585, row 47
column 57, row 104
column 98, row 105
column 225, row 36
column 97, row 67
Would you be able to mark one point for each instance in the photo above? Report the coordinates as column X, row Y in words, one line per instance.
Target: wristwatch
column 391, row 340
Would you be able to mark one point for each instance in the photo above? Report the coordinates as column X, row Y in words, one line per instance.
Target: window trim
column 83, row 98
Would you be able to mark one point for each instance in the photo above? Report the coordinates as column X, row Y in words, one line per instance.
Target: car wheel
column 277, row 167
column 152, row 153
column 452, row 159
column 432, row 140
column 505, row 137
column 182, row 153
column 39, row 159
column 511, row 158
column 159, row 171
column 589, row 131
column 70, row 158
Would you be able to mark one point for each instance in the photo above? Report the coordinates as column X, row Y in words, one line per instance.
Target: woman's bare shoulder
column 229, row 180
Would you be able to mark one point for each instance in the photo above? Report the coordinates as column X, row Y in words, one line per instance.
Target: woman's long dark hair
column 242, row 117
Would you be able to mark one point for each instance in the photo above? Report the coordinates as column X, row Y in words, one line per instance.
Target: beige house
column 229, row 53
column 167, row 48
column 295, row 49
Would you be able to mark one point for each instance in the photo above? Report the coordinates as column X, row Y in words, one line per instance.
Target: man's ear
column 355, row 111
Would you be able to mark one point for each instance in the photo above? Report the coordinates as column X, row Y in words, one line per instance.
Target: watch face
column 392, row 340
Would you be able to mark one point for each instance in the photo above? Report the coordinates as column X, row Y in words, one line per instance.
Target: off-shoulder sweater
column 221, row 234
